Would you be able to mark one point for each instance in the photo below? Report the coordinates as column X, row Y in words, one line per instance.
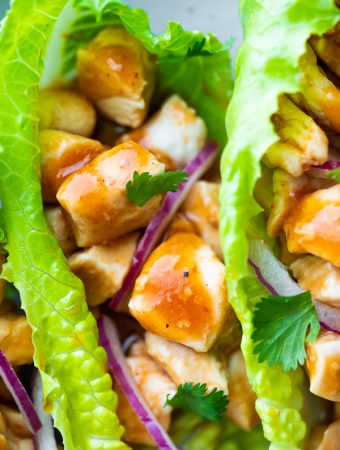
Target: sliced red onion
column 44, row 438
column 328, row 165
column 108, row 338
column 153, row 233
column 19, row 394
column 275, row 277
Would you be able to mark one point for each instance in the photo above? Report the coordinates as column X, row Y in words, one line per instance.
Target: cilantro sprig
column 143, row 186
column 194, row 398
column 282, row 327
column 334, row 173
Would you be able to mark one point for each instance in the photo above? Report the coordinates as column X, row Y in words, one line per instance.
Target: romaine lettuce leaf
column 190, row 63
column 77, row 389
column 266, row 66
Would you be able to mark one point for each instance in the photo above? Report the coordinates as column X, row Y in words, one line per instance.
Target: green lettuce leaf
column 182, row 57
column 77, row 389
column 266, row 66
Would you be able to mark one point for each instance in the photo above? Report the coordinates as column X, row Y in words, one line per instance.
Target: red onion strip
column 275, row 277
column 44, row 439
column 108, row 338
column 153, row 233
column 19, row 394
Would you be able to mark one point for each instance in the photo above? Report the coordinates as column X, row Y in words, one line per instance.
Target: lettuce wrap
column 77, row 388
column 267, row 66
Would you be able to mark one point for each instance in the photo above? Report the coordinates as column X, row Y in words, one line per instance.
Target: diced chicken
column 323, row 365
column 302, row 142
column 138, row 348
column 314, row 225
column 201, row 208
column 287, row 192
column 154, row 385
column 2, row 282
column 94, row 197
column 181, row 293
column 241, row 407
column 325, row 437
column 180, row 224
column 16, row 339
column 62, row 154
column 66, row 110
column 185, row 365
column 61, row 228
column 320, row 97
column 175, row 134
column 102, row 268
column 14, row 433
column 327, row 47
column 117, row 73
column 319, row 277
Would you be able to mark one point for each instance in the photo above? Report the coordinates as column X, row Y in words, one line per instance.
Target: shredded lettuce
column 77, row 389
column 182, row 57
column 266, row 66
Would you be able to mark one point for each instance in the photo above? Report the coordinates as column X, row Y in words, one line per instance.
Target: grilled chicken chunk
column 181, row 293
column 323, row 365
column 184, row 364
column 60, row 228
column 327, row 48
column 314, row 225
column 241, row 407
column 102, row 268
column 154, row 385
column 95, row 200
column 319, row 277
column 325, row 437
column 201, row 208
column 117, row 73
column 14, row 433
column 16, row 339
column 175, row 134
column 62, row 154
column 302, row 142
column 66, row 110
column 320, row 97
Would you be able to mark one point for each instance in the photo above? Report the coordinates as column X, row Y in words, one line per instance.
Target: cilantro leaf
column 194, row 398
column 197, row 49
column 334, row 173
column 143, row 186
column 282, row 326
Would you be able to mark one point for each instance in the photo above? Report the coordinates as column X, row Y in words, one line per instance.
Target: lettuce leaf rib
column 266, row 66
column 77, row 389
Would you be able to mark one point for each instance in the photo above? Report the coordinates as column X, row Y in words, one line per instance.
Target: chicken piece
column 138, row 348
column 201, row 208
column 62, row 154
column 302, row 142
column 2, row 282
column 323, row 365
column 118, row 74
column 94, row 197
column 320, row 98
column 314, row 225
column 66, row 110
column 241, row 407
column 16, row 339
column 319, row 277
column 154, row 385
column 175, row 134
column 325, row 437
column 181, row 293
column 180, row 224
column 61, row 229
column 327, row 48
column 102, row 268
column 186, row 365
column 14, row 433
